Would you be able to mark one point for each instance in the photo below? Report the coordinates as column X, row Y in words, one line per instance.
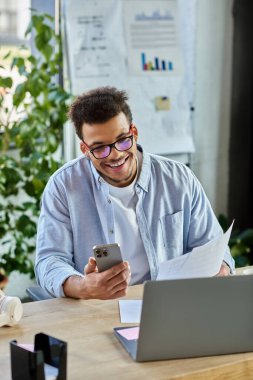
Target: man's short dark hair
column 98, row 106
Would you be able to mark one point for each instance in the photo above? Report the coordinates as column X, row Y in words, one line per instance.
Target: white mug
column 11, row 310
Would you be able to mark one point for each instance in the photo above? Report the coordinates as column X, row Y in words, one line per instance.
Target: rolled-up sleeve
column 54, row 251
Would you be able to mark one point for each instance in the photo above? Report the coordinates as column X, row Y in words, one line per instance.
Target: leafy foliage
column 31, row 134
column 240, row 243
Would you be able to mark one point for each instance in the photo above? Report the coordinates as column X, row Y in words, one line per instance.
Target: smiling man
column 154, row 207
column 118, row 169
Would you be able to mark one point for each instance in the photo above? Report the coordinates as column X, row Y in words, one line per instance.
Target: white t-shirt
column 127, row 233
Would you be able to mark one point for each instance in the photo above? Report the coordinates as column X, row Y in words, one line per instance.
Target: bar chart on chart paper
column 155, row 63
column 153, row 44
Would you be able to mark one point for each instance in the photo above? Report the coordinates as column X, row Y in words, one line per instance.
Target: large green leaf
column 6, row 82
column 41, row 106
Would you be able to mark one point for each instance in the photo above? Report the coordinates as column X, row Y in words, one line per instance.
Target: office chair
column 36, row 293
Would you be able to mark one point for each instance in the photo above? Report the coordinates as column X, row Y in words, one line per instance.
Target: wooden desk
column 94, row 352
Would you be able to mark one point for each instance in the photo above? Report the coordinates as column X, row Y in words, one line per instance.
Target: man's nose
column 115, row 154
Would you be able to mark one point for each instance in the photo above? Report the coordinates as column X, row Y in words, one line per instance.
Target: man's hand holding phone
column 109, row 284
column 106, row 278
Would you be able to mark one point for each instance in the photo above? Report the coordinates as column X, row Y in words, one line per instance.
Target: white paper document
column 130, row 311
column 203, row 261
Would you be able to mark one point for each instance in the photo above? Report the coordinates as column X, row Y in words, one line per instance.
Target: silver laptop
column 192, row 318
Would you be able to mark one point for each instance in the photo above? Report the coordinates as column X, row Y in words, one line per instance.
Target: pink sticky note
column 130, row 333
column 28, row 347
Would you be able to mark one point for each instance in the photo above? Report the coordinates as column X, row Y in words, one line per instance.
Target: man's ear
column 84, row 149
column 135, row 132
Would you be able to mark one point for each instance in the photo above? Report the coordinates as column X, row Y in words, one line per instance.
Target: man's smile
column 118, row 164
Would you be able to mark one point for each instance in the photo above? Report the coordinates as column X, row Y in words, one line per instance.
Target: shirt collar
column 98, row 179
column 144, row 177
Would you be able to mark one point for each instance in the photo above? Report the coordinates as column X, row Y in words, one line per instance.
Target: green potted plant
column 240, row 243
column 32, row 115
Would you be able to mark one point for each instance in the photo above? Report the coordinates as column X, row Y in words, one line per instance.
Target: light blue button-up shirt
column 173, row 214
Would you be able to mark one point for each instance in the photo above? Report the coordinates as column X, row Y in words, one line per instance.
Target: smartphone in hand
column 107, row 255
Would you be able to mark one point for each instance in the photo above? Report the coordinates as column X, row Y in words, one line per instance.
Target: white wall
column 213, row 87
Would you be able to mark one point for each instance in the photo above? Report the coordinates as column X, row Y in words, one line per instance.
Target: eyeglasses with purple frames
column 103, row 151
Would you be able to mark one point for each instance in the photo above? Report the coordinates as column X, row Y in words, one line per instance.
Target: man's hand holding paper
column 203, row 261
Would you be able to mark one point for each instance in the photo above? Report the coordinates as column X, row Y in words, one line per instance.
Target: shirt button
column 111, row 231
column 109, row 201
